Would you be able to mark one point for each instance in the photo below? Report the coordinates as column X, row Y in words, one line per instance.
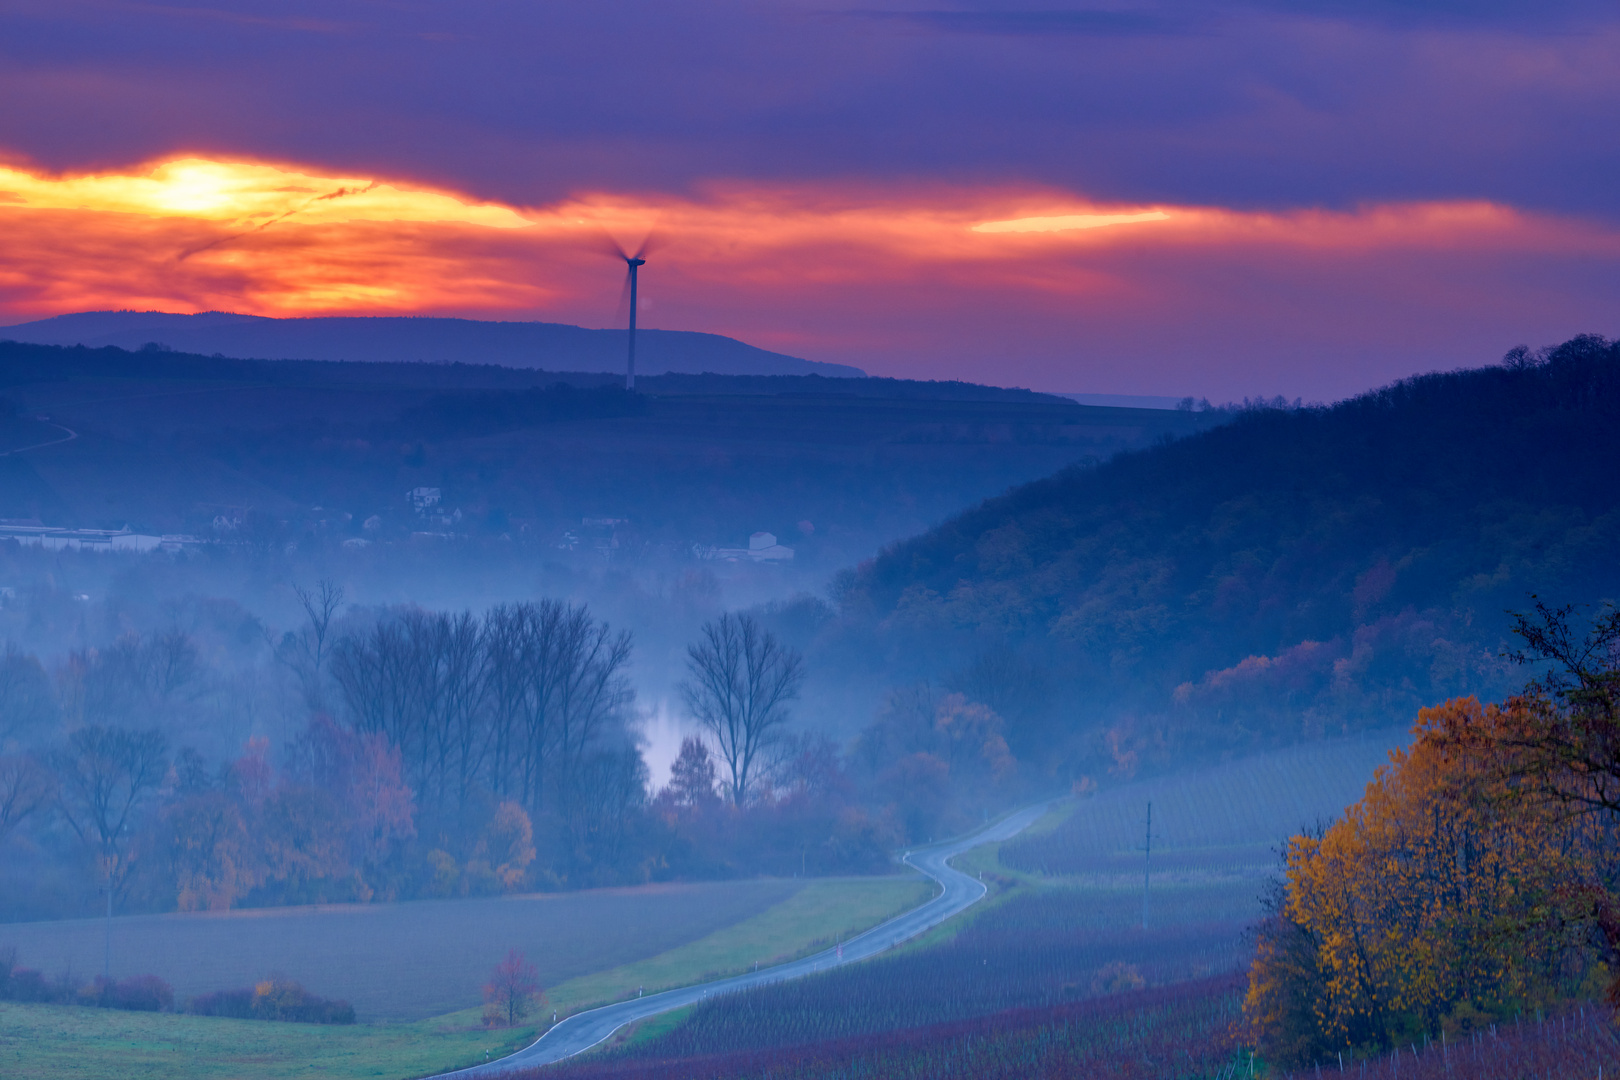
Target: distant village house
column 762, row 547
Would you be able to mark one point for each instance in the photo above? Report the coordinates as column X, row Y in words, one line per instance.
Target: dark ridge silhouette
column 553, row 346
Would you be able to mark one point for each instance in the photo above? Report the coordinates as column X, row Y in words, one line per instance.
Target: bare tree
column 27, row 706
column 556, row 683
column 515, row 701
column 170, row 665
column 607, row 786
column 591, row 690
column 106, row 777
column 508, row 633
column 375, row 674
column 464, row 720
column 307, row 651
column 140, row 678
column 740, row 679
column 320, row 604
column 25, row 788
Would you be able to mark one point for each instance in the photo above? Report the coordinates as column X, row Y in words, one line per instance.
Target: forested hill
column 1293, row 572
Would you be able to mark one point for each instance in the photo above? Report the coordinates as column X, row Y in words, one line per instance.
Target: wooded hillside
column 1293, row 573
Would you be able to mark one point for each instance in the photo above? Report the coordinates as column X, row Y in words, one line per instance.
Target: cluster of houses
column 34, row 533
column 599, row 534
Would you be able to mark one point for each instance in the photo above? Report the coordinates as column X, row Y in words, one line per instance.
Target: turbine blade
column 607, row 245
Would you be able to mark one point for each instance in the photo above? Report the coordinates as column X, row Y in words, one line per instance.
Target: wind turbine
column 633, row 263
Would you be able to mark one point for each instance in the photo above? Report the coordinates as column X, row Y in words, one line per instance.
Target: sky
column 1213, row 199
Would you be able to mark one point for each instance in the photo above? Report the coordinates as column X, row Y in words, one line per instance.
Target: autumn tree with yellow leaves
column 1476, row 879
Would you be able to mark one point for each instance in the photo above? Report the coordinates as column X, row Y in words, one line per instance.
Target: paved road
column 957, row 892
column 71, row 435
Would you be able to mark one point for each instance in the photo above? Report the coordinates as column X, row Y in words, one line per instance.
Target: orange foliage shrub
column 1445, row 898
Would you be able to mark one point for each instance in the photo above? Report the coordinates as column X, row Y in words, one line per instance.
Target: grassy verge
column 819, row 915
column 63, row 1042
column 643, row 1031
column 66, row 1042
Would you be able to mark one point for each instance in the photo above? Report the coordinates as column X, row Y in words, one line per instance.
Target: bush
column 27, row 984
column 140, row 993
column 275, row 998
column 235, row 1004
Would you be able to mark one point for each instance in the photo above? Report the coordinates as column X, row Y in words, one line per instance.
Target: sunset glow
column 243, row 193
column 1065, row 222
column 193, row 234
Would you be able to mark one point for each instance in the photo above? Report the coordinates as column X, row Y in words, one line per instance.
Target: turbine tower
column 634, row 262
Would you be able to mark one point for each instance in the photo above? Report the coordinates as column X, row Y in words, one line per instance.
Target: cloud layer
column 1012, row 285
column 1350, row 191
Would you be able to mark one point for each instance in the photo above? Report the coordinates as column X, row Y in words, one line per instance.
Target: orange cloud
column 840, row 273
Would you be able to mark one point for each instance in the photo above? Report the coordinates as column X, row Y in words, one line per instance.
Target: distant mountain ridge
column 549, row 346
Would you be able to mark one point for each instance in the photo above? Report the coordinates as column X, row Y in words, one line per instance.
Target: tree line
column 462, row 753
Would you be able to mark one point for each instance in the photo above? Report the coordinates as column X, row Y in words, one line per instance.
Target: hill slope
column 552, row 346
column 165, row 439
column 1288, row 574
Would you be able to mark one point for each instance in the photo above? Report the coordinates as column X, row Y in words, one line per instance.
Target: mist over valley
column 306, row 657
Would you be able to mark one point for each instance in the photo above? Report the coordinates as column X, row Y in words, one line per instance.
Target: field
column 1169, row 1033
column 71, row 1042
column 1063, row 928
column 399, row 961
column 1038, row 948
column 1580, row 1044
column 1054, row 970
column 1225, row 820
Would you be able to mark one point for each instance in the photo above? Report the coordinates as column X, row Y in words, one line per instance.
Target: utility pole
column 1147, row 865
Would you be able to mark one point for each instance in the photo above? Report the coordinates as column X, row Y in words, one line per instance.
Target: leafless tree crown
column 516, row 701
column 740, row 679
column 106, row 775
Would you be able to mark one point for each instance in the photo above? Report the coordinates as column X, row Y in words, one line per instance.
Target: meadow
column 73, row 1042
column 69, row 1042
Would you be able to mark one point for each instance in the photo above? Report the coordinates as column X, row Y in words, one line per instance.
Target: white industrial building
column 762, row 547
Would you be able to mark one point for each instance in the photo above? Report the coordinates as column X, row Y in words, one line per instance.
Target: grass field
column 399, row 961
column 60, row 1042
column 80, row 1044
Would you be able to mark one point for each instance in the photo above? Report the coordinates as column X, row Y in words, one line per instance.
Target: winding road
column 71, row 435
column 958, row 892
